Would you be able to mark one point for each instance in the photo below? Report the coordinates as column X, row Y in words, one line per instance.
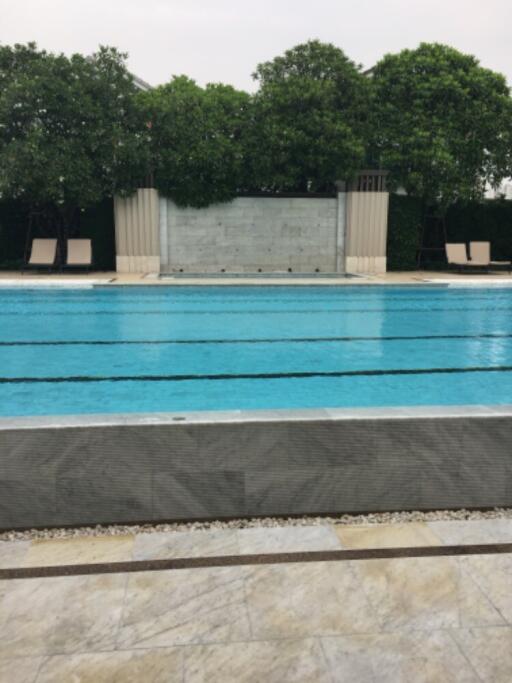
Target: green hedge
column 404, row 225
column 489, row 220
column 96, row 223
column 13, row 233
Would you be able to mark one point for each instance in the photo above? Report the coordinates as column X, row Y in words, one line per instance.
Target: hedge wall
column 489, row 220
column 96, row 222
column 13, row 227
column 404, row 226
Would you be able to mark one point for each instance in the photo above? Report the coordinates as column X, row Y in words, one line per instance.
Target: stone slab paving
column 388, row 620
column 269, row 539
column 10, row 278
column 395, row 620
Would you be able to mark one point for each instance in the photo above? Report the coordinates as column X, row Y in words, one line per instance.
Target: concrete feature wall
column 251, row 234
column 366, row 238
column 137, row 232
column 302, row 234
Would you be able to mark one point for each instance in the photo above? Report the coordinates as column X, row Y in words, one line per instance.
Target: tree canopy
column 69, row 128
column 196, row 140
column 74, row 130
column 308, row 120
column 442, row 124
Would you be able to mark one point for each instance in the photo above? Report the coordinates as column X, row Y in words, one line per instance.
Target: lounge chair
column 480, row 252
column 457, row 256
column 79, row 254
column 42, row 254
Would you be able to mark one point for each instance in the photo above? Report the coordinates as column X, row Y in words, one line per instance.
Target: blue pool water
column 145, row 349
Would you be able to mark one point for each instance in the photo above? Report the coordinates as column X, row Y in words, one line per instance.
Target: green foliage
column 13, row 222
column 442, row 124
column 196, row 140
column 489, row 221
column 308, row 126
column 95, row 222
column 68, row 127
column 404, row 225
column 486, row 221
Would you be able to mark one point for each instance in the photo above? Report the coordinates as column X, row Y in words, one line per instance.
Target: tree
column 196, row 146
column 309, row 119
column 442, row 124
column 69, row 130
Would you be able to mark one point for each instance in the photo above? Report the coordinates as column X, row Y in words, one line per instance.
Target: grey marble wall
column 90, row 471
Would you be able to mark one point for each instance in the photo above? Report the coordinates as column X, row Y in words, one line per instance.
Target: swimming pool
column 158, row 349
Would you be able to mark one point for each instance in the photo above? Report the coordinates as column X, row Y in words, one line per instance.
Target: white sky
column 223, row 40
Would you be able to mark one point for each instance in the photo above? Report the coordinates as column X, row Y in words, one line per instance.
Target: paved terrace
column 391, row 278
column 398, row 617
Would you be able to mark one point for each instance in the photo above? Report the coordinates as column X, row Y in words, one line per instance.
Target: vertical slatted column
column 137, row 225
column 367, row 222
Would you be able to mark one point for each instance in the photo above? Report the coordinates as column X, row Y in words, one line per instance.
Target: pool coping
column 254, row 416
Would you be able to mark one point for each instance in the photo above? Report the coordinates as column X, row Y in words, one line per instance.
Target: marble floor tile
column 162, row 665
column 20, row 670
column 470, row 531
column 286, row 661
column 185, row 606
column 12, row 553
column 423, row 594
column 301, row 600
column 493, row 575
column 475, row 607
column 287, row 539
column 397, row 658
column 386, row 535
column 79, row 550
column 178, row 544
column 59, row 615
column 489, row 650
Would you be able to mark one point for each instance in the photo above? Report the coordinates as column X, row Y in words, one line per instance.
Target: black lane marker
column 281, row 340
column 264, row 311
column 92, row 299
column 250, row 560
column 263, row 375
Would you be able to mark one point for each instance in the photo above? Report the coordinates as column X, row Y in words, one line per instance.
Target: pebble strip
column 373, row 518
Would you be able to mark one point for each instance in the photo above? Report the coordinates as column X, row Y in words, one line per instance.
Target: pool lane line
column 263, row 375
column 264, row 311
column 88, row 299
column 259, row 559
column 277, row 340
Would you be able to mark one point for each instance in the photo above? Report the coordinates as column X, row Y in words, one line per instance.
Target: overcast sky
column 223, row 40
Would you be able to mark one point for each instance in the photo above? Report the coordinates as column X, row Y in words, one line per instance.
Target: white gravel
column 373, row 518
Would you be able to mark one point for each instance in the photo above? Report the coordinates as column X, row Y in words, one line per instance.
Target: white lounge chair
column 42, row 254
column 480, row 253
column 79, row 254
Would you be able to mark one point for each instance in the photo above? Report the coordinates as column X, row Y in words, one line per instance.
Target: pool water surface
column 158, row 349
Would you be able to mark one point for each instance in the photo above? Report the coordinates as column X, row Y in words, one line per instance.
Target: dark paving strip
column 281, row 340
column 260, row 559
column 264, row 311
column 262, row 375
